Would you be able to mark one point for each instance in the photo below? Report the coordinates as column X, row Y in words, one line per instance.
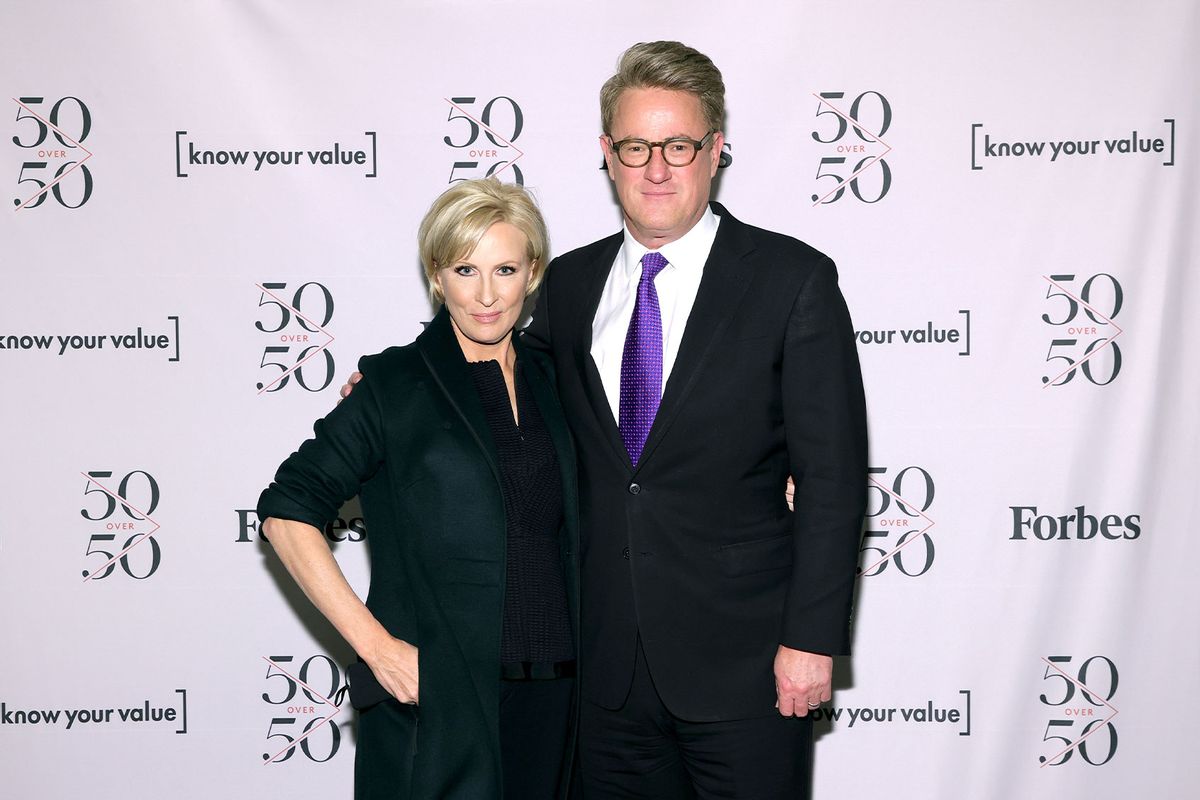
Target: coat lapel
column 724, row 283
column 555, row 420
column 541, row 387
column 444, row 356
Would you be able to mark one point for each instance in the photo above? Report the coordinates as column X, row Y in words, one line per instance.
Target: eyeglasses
column 679, row 151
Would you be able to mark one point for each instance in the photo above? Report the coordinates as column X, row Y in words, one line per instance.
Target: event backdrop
column 211, row 215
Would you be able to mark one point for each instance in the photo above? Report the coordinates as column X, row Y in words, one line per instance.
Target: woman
column 459, row 451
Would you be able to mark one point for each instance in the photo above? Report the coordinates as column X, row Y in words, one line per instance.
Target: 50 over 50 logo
column 302, row 709
column 484, row 139
column 1080, row 692
column 897, row 532
column 122, row 542
column 50, row 135
column 300, row 338
column 1085, row 334
column 852, row 147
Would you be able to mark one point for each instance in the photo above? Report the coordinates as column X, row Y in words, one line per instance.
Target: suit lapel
column 593, row 386
column 444, row 356
column 724, row 283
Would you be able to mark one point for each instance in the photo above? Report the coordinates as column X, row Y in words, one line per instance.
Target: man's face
column 661, row 203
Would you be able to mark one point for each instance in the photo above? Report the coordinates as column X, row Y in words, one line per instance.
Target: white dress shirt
column 677, row 285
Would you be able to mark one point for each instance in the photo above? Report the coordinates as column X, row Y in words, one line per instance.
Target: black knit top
column 536, row 622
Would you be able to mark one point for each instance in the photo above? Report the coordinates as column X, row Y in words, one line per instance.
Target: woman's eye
column 463, row 269
column 507, row 269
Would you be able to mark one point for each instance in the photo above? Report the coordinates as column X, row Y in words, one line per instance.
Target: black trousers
column 642, row 750
column 534, row 722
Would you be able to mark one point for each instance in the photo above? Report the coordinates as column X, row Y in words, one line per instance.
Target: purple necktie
column 642, row 362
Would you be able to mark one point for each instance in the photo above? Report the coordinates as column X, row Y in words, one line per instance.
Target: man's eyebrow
column 667, row 139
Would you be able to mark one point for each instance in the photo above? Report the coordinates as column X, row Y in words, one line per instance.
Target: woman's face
column 485, row 290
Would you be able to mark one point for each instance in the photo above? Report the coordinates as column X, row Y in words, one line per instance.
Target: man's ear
column 718, row 144
column 609, row 160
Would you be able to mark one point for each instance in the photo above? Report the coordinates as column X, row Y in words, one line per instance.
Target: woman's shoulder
column 399, row 364
column 394, row 359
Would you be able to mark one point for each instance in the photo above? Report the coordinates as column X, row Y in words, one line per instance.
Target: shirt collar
column 688, row 252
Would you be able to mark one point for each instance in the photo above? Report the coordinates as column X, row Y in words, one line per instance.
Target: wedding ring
column 814, row 705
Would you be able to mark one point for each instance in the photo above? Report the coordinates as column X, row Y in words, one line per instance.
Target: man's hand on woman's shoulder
column 348, row 387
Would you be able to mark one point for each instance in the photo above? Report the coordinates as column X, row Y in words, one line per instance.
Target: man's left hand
column 802, row 681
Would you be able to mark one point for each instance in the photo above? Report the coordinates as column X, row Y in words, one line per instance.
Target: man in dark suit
column 700, row 362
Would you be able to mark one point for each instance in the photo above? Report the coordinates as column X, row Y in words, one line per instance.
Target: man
column 701, row 361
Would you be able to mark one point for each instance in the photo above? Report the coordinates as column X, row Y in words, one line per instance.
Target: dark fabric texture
column 643, row 751
column 535, row 717
column 413, row 441
column 536, row 626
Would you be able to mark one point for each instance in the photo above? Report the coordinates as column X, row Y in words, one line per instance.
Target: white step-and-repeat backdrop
column 210, row 215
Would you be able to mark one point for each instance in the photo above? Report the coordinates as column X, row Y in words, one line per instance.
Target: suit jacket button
column 635, row 488
column 625, row 554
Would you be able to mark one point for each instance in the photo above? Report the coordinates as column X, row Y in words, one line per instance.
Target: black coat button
column 625, row 554
column 635, row 488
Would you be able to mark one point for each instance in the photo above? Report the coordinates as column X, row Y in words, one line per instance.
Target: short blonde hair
column 666, row 65
column 462, row 214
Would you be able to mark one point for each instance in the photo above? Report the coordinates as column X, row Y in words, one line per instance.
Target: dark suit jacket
column 695, row 550
column 413, row 441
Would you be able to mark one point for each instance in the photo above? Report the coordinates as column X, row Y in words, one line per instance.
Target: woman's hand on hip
column 394, row 662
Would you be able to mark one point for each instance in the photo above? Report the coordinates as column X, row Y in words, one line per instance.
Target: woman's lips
column 487, row 318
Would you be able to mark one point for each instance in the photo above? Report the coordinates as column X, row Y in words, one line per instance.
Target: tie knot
column 652, row 264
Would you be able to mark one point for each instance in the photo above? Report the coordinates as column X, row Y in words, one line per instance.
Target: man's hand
column 789, row 489
column 802, row 681
column 394, row 662
column 355, row 377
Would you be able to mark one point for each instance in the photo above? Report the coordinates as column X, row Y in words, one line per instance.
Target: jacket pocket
column 757, row 555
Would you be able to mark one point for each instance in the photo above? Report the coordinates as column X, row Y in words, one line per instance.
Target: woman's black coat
column 413, row 442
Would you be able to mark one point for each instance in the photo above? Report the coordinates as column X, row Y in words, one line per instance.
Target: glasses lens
column 679, row 152
column 633, row 153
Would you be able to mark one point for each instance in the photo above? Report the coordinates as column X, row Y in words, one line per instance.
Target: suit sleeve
column 826, row 429
column 327, row 470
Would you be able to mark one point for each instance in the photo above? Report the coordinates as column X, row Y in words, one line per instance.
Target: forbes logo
column 1080, row 525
